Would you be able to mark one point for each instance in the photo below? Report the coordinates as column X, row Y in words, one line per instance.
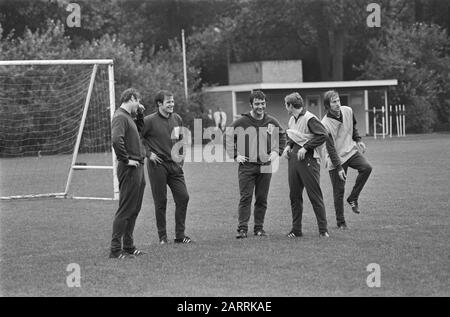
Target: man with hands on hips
column 161, row 132
column 255, row 141
column 126, row 126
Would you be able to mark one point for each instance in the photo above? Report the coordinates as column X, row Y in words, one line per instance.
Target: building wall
column 266, row 72
column 313, row 99
column 242, row 102
column 282, row 71
column 274, row 101
column 357, row 104
column 245, row 73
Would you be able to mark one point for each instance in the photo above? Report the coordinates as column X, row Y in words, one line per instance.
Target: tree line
column 330, row 37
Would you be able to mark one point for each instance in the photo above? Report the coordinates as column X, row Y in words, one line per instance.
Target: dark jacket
column 125, row 136
column 248, row 137
column 157, row 134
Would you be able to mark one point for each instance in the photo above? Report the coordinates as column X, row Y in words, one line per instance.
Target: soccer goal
column 55, row 129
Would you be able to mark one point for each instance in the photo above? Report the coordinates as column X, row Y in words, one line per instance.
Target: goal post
column 50, row 112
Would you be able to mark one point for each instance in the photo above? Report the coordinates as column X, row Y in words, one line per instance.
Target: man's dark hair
column 256, row 94
column 294, row 99
column 327, row 98
column 128, row 93
column 160, row 96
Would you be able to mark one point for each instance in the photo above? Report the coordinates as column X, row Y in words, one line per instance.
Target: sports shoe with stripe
column 121, row 255
column 293, row 234
column 163, row 240
column 242, row 234
column 186, row 239
column 354, row 205
column 324, row 235
column 136, row 252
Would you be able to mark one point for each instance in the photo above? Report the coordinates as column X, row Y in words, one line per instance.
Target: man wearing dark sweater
column 162, row 130
column 306, row 138
column 126, row 124
column 254, row 140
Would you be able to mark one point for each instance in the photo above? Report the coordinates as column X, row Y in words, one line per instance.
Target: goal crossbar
column 57, row 62
column 92, row 167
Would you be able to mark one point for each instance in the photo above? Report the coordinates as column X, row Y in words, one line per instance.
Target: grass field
column 404, row 227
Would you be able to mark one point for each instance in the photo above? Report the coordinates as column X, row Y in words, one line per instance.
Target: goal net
column 55, row 129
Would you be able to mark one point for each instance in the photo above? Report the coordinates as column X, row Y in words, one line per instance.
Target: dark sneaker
column 121, row 255
column 136, row 252
column 342, row 226
column 324, row 235
column 163, row 240
column 241, row 234
column 293, row 234
column 186, row 239
column 354, row 205
column 260, row 233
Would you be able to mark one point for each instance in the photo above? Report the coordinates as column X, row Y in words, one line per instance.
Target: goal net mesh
column 41, row 109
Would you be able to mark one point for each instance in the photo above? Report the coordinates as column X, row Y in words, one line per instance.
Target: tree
column 254, row 30
column 433, row 11
column 163, row 70
column 419, row 58
column 210, row 50
column 318, row 32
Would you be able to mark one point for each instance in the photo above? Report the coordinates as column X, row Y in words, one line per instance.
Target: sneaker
column 324, row 235
column 354, row 205
column 186, row 239
column 241, row 234
column 342, row 226
column 121, row 255
column 136, row 252
column 260, row 233
column 293, row 234
column 163, row 240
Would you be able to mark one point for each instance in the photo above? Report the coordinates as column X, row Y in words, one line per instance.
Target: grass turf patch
column 403, row 227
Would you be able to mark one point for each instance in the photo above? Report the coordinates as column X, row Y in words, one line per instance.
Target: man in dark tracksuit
column 130, row 172
column 254, row 140
column 162, row 130
column 306, row 135
column 345, row 151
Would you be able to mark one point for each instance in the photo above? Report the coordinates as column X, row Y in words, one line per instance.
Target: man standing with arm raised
column 130, row 172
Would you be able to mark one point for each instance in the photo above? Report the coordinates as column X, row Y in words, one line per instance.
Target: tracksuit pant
column 305, row 174
column 360, row 163
column 251, row 179
column 171, row 174
column 131, row 189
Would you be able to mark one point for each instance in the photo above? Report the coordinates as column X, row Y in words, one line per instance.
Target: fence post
column 390, row 121
column 374, row 123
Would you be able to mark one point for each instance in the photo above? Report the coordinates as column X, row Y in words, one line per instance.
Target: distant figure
column 220, row 118
column 208, row 119
column 210, row 115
